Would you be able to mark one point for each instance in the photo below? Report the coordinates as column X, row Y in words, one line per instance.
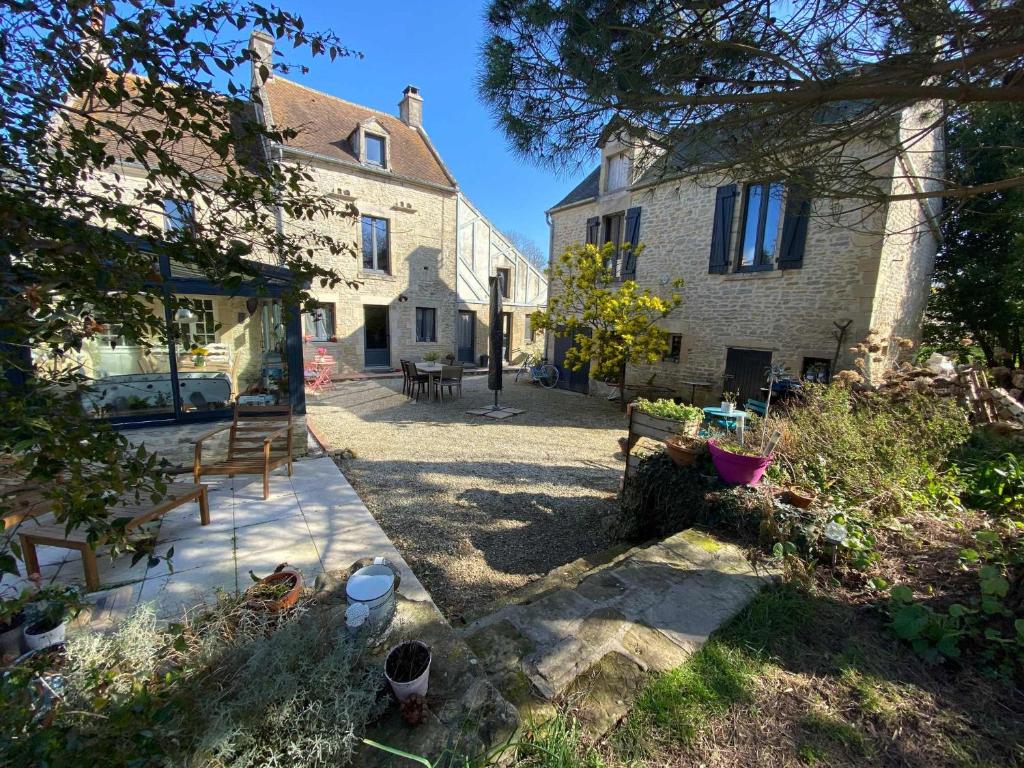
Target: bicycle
column 540, row 371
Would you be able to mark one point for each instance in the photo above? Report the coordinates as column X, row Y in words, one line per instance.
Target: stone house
column 421, row 250
column 769, row 275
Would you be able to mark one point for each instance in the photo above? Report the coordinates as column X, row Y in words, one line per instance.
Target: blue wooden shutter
column 721, row 235
column 593, row 231
column 632, row 240
column 794, row 228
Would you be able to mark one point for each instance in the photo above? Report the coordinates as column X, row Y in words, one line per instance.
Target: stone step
column 593, row 634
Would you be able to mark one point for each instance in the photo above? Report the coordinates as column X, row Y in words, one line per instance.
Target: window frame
column 421, row 312
column 328, row 308
column 527, row 330
column 504, row 275
column 376, row 137
column 374, row 244
column 675, row 349
column 606, row 222
column 760, row 264
column 610, row 162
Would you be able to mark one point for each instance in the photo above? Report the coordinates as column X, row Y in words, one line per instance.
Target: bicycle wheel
column 548, row 376
column 519, row 373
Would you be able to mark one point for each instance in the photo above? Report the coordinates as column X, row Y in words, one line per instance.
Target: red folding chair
column 324, row 365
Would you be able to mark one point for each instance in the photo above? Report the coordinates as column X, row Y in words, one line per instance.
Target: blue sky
column 435, row 46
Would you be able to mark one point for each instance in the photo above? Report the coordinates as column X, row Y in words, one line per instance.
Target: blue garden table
column 730, row 419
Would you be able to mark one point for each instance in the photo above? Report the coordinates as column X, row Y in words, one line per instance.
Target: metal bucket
column 374, row 587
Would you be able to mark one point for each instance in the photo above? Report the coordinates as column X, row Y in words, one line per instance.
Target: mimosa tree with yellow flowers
column 621, row 318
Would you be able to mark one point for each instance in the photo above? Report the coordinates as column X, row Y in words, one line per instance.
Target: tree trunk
column 622, row 387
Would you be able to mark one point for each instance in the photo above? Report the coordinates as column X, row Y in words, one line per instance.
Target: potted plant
column 48, row 614
column 667, row 415
column 736, row 464
column 199, row 356
column 432, row 357
column 684, row 449
column 407, row 669
column 12, row 620
column 728, row 401
column 277, row 592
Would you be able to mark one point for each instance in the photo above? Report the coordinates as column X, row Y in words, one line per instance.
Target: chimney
column 410, row 108
column 262, row 46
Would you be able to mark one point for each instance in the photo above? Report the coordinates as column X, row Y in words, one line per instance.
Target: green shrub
column 233, row 687
column 876, row 450
column 995, row 485
column 668, row 409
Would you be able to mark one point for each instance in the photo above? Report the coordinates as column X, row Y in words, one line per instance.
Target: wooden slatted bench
column 46, row 531
column 260, row 440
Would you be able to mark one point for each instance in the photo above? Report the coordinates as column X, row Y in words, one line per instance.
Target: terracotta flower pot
column 285, row 601
column 799, row 496
column 737, row 469
column 683, row 452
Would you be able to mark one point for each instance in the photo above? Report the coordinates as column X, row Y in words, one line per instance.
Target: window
column 318, row 325
column 527, row 330
column 613, row 228
column 375, row 149
column 426, row 324
column 762, row 212
column 178, row 215
column 818, row 369
column 505, row 282
column 675, row 348
column 196, row 326
column 376, row 250
column 616, row 172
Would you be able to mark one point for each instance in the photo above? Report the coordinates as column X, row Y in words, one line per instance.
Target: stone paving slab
column 592, row 641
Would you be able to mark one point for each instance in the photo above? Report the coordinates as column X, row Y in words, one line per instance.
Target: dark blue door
column 378, row 336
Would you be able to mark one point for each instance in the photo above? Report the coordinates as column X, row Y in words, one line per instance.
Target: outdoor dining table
column 433, row 370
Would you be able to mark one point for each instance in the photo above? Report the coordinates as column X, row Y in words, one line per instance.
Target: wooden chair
column 418, row 381
column 46, row 531
column 406, row 379
column 260, row 441
column 451, row 377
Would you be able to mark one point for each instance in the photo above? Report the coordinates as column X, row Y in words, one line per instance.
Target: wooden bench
column 46, row 531
column 260, row 441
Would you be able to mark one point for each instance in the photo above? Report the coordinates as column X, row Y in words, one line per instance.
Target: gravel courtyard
column 478, row 507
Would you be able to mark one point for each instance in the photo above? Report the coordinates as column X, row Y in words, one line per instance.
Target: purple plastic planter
column 736, row 469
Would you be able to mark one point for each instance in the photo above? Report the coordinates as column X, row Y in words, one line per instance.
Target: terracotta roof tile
column 324, row 124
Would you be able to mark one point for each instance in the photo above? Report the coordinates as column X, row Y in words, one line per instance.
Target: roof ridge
column 338, row 98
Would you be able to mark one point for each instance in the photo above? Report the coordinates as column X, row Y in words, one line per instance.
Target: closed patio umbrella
column 496, row 340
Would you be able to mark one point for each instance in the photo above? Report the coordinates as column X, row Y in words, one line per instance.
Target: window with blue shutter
column 721, row 235
column 594, row 231
column 794, row 228
column 632, row 241
column 759, row 235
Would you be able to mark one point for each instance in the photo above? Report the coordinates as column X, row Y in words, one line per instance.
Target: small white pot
column 36, row 642
column 726, row 407
column 414, row 687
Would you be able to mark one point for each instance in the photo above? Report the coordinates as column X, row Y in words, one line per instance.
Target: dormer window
column 376, row 150
column 616, row 172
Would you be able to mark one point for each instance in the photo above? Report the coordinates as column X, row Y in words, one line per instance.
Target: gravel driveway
column 478, row 507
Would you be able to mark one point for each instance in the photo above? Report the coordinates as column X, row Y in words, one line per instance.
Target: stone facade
column 874, row 274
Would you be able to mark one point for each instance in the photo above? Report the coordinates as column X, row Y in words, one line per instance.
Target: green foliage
column 978, row 299
column 54, row 604
column 879, row 451
column 669, row 409
column 231, row 687
column 996, row 485
column 556, row 743
column 80, row 99
column 612, row 323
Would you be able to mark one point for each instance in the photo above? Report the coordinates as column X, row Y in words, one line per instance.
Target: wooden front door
column 465, row 336
column 574, row 381
column 746, row 372
column 377, row 335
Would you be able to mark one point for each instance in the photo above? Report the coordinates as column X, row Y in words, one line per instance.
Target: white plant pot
column 726, row 407
column 36, row 642
column 414, row 687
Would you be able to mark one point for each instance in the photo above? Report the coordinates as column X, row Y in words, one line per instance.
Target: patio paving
column 314, row 521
